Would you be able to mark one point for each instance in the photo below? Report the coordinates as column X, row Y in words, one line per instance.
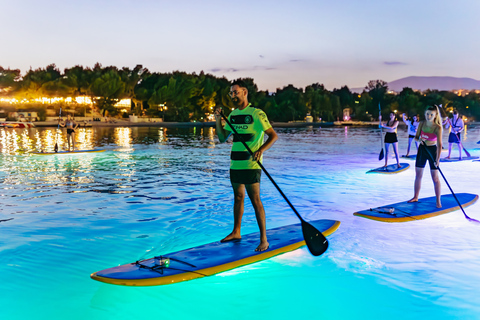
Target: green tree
column 176, row 94
column 107, row 88
column 377, row 90
column 291, row 103
column 9, row 80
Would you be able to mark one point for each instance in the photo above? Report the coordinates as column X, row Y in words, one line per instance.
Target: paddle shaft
column 451, row 190
column 263, row 168
column 380, row 156
column 58, row 128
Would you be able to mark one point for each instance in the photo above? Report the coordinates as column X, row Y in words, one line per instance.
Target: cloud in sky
column 394, row 63
column 231, row 70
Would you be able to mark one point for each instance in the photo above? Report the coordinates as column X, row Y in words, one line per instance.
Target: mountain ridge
column 423, row 83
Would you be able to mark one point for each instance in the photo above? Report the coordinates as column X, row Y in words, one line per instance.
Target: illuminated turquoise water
column 156, row 190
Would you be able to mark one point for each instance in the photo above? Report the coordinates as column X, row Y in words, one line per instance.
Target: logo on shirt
column 248, row 119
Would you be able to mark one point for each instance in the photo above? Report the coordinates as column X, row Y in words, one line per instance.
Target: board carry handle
column 315, row 240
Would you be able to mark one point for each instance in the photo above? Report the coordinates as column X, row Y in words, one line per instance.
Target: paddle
column 458, row 137
column 315, row 240
column 380, row 156
column 453, row 193
column 58, row 128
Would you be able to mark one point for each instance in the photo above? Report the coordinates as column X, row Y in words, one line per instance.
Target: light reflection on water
column 157, row 190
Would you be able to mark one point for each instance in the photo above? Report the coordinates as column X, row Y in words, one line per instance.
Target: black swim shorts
column 423, row 156
column 248, row 176
column 391, row 137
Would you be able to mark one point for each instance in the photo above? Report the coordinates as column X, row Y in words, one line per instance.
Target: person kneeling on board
column 251, row 124
column 429, row 134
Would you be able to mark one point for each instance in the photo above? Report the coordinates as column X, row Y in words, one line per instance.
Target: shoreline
column 121, row 123
column 204, row 124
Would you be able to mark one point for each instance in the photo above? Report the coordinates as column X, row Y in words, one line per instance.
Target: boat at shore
column 17, row 124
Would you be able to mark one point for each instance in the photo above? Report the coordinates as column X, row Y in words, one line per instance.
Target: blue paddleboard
column 209, row 259
column 455, row 159
column 390, row 169
column 424, row 208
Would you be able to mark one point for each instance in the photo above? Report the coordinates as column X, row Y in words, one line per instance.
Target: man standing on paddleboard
column 251, row 124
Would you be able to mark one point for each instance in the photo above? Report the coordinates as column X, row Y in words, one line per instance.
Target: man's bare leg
column 239, row 197
column 253, row 191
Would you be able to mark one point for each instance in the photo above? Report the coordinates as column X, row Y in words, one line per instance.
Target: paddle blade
column 315, row 240
column 381, row 155
column 56, row 147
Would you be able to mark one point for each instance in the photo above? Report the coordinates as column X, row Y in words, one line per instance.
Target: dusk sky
column 336, row 43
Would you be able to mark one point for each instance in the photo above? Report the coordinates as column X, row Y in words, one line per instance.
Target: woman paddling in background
column 71, row 126
column 412, row 125
column 429, row 134
column 390, row 137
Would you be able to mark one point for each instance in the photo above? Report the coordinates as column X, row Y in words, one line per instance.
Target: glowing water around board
column 156, row 190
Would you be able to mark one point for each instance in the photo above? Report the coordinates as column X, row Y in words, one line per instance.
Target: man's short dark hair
column 239, row 83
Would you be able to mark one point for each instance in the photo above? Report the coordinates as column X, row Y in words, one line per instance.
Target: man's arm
column 272, row 137
column 221, row 132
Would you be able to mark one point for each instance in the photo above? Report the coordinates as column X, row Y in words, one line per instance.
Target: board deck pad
column 68, row 152
column 390, row 169
column 423, row 209
column 455, row 159
column 211, row 258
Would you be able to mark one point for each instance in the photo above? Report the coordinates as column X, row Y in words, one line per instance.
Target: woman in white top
column 457, row 127
column 412, row 125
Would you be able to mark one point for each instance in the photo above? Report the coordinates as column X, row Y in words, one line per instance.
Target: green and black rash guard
column 250, row 123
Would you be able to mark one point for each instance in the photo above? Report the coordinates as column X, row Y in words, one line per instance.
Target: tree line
column 190, row 97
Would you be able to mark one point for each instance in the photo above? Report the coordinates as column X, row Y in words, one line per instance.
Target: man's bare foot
column 439, row 204
column 399, row 166
column 413, row 200
column 231, row 237
column 262, row 246
column 447, row 157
